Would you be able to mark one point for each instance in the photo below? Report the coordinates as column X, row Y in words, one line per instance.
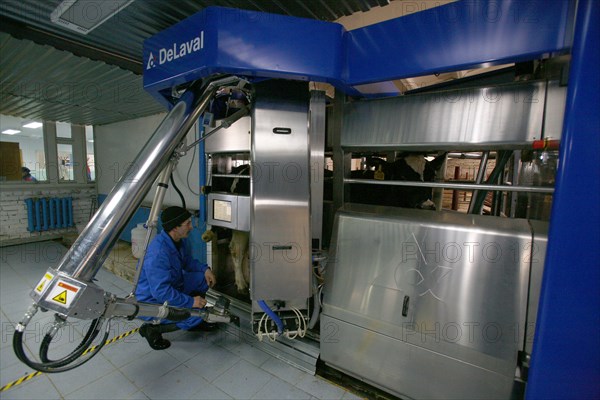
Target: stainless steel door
column 280, row 249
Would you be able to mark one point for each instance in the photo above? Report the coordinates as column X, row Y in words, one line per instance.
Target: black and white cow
column 411, row 167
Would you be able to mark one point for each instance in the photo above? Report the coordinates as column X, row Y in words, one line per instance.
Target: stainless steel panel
column 280, row 251
column 538, row 256
column 466, row 278
column 496, row 116
column 555, row 110
column 240, row 211
column 404, row 369
column 317, row 162
column 235, row 139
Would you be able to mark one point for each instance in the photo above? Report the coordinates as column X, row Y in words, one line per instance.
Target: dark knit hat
column 174, row 216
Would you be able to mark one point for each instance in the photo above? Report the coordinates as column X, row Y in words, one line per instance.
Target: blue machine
column 466, row 34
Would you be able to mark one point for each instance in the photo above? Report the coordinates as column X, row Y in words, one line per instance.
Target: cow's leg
column 239, row 248
column 246, row 267
column 211, row 236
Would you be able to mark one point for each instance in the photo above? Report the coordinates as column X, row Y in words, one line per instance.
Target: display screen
column 222, row 210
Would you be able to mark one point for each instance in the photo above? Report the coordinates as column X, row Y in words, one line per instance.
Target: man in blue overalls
column 171, row 274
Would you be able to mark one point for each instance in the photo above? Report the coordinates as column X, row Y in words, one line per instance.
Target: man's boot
column 153, row 334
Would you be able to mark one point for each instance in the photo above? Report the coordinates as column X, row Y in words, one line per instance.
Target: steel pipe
column 90, row 250
column 460, row 186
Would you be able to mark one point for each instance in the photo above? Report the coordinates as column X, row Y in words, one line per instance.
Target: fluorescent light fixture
column 33, row 125
column 83, row 16
column 11, row 131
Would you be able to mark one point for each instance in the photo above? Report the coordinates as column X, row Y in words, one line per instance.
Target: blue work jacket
column 164, row 273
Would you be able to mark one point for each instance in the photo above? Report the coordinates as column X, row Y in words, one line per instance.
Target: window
column 43, row 151
column 63, row 130
column 64, row 151
column 22, row 155
column 65, row 162
column 91, row 162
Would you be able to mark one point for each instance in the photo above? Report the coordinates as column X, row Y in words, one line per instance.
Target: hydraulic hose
column 89, row 337
column 272, row 315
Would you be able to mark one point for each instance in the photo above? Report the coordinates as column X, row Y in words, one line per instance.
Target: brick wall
column 13, row 211
column 468, row 173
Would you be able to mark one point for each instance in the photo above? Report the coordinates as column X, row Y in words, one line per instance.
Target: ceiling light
column 11, row 131
column 84, row 16
column 33, row 125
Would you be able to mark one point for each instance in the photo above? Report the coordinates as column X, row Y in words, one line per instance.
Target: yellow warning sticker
column 42, row 284
column 62, row 293
column 61, row 297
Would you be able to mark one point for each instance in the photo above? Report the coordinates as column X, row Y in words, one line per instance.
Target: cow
column 410, row 167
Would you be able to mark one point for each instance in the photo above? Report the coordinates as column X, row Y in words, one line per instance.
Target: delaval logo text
column 175, row 51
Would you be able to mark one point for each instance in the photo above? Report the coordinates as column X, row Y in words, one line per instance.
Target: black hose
column 89, row 337
column 178, row 192
column 53, row 367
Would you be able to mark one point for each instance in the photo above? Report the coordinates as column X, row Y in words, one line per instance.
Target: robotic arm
column 69, row 289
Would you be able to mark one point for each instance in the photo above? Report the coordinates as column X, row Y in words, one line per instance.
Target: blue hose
column 272, row 315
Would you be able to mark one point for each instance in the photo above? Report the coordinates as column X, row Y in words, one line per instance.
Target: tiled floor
column 216, row 365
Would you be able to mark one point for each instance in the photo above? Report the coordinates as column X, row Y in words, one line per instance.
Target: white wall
column 117, row 146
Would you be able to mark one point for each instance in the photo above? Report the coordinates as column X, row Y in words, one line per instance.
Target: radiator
column 45, row 214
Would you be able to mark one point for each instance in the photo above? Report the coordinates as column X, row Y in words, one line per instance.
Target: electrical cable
column 178, row 192
column 187, row 179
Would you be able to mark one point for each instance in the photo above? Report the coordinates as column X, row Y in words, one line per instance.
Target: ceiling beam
column 21, row 31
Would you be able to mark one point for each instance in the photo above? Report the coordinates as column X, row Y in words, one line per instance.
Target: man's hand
column 210, row 278
column 199, row 302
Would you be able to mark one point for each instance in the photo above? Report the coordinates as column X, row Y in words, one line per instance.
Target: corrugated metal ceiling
column 40, row 82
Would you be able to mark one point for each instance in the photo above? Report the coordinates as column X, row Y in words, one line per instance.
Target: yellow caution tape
column 20, row 380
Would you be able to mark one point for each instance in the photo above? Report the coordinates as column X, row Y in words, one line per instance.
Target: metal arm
column 69, row 290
